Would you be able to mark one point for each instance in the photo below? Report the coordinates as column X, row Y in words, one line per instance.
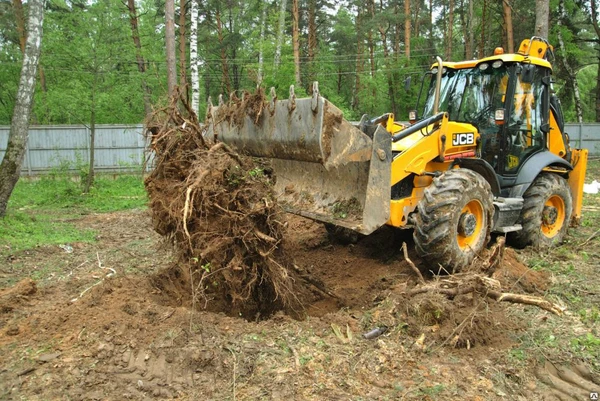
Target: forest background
column 103, row 61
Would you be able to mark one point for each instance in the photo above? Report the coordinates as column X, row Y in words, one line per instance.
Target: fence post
column 28, row 153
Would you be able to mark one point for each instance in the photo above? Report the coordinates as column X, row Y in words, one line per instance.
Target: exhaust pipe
column 438, row 86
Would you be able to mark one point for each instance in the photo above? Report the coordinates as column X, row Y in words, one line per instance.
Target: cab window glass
column 524, row 134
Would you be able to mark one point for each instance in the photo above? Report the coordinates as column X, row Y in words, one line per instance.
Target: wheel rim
column 470, row 224
column 553, row 216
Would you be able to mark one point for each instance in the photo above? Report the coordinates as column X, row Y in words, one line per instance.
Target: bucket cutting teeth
column 322, row 162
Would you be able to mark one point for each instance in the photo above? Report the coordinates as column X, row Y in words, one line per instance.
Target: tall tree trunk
column 598, row 90
column 182, row 46
column 417, row 18
column 296, row 41
column 370, row 44
column 542, row 15
column 170, row 46
column 90, row 176
column 594, row 21
column 407, row 29
column 508, row 26
column 359, row 62
column 20, row 20
column 226, row 83
column 312, row 39
column 263, row 19
column 141, row 64
column 431, row 42
column 450, row 35
column 195, row 79
column 280, row 29
column 235, row 70
column 483, row 24
column 388, row 64
column 572, row 75
column 470, row 37
column 10, row 167
column 463, row 24
column 397, row 30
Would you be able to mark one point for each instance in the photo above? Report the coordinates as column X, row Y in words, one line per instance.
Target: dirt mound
column 13, row 296
column 133, row 336
column 220, row 212
column 463, row 322
column 11, row 300
column 514, row 274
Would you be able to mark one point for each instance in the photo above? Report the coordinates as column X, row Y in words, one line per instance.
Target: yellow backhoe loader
column 487, row 154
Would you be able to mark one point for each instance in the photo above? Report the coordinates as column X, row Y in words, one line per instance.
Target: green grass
column 593, row 170
column 572, row 266
column 39, row 210
column 21, row 230
column 55, row 193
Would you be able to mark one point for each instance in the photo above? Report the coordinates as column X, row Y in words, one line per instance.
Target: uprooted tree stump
column 219, row 211
column 470, row 282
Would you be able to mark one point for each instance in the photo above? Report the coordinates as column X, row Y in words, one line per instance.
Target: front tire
column 453, row 221
column 546, row 213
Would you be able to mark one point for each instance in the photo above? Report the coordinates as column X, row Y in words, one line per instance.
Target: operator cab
column 507, row 99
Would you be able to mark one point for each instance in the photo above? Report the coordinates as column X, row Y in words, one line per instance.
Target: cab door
column 527, row 116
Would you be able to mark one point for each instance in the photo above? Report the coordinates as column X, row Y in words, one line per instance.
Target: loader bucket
column 326, row 169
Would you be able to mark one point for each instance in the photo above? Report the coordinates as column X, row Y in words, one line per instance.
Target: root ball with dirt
column 218, row 209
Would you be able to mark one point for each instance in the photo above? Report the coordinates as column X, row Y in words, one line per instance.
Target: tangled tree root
column 218, row 209
column 465, row 283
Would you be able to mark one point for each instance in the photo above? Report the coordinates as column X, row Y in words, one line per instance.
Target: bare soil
column 113, row 323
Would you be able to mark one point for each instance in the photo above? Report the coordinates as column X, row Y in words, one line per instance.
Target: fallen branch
column 451, row 292
column 524, row 299
column 411, row 264
column 591, row 237
column 489, row 288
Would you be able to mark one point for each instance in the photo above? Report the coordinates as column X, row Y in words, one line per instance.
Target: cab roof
column 506, row 58
column 533, row 51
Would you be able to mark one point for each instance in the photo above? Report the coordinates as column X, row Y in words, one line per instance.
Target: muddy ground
column 108, row 321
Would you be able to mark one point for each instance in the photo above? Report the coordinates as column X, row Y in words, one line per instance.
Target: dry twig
column 411, row 264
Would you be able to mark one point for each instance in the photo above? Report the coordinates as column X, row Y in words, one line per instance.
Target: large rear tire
column 546, row 213
column 453, row 221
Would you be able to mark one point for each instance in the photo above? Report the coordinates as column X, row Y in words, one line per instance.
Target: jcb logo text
column 463, row 139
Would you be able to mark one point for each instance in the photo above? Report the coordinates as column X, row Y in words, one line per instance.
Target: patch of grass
column 590, row 316
column 61, row 192
column 432, row 390
column 20, row 230
column 39, row 210
column 593, row 170
column 588, row 344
